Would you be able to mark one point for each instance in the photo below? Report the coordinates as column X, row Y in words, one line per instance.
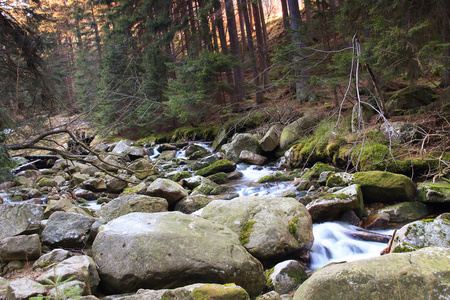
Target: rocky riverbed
column 177, row 221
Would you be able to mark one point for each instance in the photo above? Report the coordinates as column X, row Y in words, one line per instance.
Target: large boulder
column 269, row 228
column 20, row 219
column 67, row 230
column 240, row 142
column 405, row 211
column 437, row 192
column 252, row 158
column 111, row 209
column 271, row 139
column 286, row 276
column 417, row 275
column 401, row 132
column 21, row 247
column 296, row 130
column 76, row 268
column 167, row 189
column 223, row 165
column 330, row 207
column 422, row 274
column 171, row 249
column 193, row 292
column 409, row 98
column 142, row 168
column 422, row 234
column 24, row 288
column 378, row 186
column 142, row 203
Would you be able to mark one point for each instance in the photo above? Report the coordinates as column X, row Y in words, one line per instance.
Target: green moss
column 246, row 230
column 316, row 170
column 181, row 175
column 218, row 178
column 293, row 226
column 273, row 178
column 269, row 283
column 298, row 276
column 223, row 165
column 407, row 248
column 215, row 291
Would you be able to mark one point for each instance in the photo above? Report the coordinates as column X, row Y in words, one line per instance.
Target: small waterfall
column 333, row 243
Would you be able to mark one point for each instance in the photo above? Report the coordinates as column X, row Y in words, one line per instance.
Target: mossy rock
column 46, row 182
column 219, row 292
column 218, row 178
column 273, row 178
column 222, row 165
column 316, row 170
column 409, row 98
column 405, row 211
column 438, row 192
column 203, row 189
column 199, row 154
column 180, row 176
column 378, row 186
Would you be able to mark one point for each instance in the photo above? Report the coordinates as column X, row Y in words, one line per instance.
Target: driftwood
column 369, row 236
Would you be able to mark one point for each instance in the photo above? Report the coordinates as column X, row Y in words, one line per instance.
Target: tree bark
column 241, row 7
column 224, row 48
column 259, row 94
column 261, row 46
column 234, row 47
column 286, row 24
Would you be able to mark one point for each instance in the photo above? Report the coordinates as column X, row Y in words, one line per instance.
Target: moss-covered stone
column 219, row 292
column 413, row 96
column 316, row 170
column 405, row 211
column 181, row 175
column 378, row 186
column 218, row 178
column 222, row 165
column 273, row 178
column 438, row 192
column 246, row 230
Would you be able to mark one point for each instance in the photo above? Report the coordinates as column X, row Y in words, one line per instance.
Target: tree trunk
column 241, row 7
column 224, row 48
column 259, row 94
column 286, row 24
column 98, row 42
column 309, row 23
column 261, row 46
column 262, row 20
column 301, row 86
column 234, row 47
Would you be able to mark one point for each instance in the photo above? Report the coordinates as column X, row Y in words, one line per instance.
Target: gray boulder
column 94, row 184
column 422, row 234
column 24, row 288
column 401, row 132
column 122, row 147
column 167, row 189
column 378, row 186
column 269, row 228
column 405, row 211
column 296, row 130
column 437, row 192
column 252, row 158
column 55, row 256
column 421, row 274
column 192, row 203
column 67, row 230
column 21, row 247
column 63, row 204
column 413, row 96
column 287, row 276
column 240, row 142
column 20, row 219
column 142, row 168
column 271, row 139
column 81, row 268
column 142, row 203
column 206, row 161
column 111, row 209
column 114, row 185
column 192, row 292
column 167, row 250
column 330, row 207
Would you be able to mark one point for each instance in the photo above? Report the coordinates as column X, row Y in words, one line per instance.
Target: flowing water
column 333, row 241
